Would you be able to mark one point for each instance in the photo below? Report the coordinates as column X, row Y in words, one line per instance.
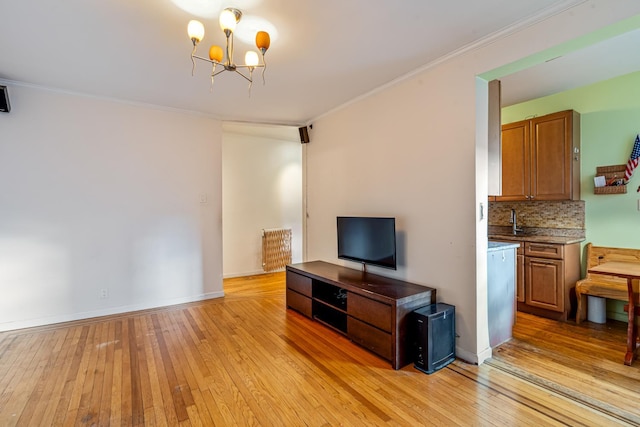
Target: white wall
column 262, row 188
column 97, row 195
column 411, row 151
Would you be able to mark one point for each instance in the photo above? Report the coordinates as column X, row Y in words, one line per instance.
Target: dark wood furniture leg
column 632, row 330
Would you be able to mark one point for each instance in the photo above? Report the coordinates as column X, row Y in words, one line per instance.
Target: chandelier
column 229, row 18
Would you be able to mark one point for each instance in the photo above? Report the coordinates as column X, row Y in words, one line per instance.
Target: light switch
column 203, row 198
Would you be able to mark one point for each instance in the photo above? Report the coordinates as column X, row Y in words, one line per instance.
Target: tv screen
column 367, row 240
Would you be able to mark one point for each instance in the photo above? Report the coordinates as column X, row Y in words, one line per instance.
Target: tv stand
column 372, row 310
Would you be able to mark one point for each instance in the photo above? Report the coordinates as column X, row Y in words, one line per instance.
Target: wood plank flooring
column 246, row 360
column 583, row 362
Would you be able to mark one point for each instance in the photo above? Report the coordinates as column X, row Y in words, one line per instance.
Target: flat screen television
column 368, row 240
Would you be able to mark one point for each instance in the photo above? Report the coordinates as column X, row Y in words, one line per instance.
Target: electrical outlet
column 104, row 293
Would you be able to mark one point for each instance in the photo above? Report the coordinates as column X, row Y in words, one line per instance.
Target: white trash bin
column 597, row 309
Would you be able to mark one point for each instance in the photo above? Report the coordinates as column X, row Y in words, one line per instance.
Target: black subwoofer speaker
column 304, row 135
column 434, row 337
column 5, row 107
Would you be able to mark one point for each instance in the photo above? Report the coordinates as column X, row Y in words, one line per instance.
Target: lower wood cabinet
column 546, row 278
column 372, row 310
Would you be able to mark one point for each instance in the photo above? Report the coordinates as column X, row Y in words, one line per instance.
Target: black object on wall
column 304, row 135
column 434, row 337
column 5, row 107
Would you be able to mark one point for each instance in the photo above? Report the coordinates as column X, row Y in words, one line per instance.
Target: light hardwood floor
column 246, row 360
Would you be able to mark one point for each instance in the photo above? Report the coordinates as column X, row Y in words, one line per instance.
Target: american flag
column 633, row 159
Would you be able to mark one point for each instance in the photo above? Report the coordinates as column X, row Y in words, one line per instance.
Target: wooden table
column 631, row 272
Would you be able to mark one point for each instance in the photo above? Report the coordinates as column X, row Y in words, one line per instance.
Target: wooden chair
column 620, row 265
column 601, row 285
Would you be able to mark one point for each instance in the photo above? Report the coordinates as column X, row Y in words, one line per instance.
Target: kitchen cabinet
column 540, row 158
column 545, row 285
column 546, row 278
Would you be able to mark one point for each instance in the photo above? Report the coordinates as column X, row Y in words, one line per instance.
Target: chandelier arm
column 250, row 66
column 264, row 68
column 213, row 74
column 202, row 58
column 193, row 62
column 245, row 77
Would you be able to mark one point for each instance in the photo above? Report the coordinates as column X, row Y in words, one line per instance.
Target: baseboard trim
column 248, row 273
column 46, row 321
column 476, row 359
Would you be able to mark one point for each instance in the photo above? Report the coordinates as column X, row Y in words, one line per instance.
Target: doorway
column 261, row 189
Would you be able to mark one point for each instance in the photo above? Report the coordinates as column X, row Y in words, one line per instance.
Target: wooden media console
column 372, row 310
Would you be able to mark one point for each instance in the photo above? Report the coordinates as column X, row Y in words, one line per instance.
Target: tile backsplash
column 556, row 216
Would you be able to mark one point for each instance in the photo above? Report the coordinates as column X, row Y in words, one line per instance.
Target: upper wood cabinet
column 540, row 158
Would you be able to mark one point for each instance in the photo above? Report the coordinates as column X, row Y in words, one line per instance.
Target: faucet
column 513, row 220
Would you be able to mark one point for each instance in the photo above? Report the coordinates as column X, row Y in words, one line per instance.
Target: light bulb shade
column 229, row 19
column 263, row 41
column 251, row 58
column 195, row 30
column 215, row 53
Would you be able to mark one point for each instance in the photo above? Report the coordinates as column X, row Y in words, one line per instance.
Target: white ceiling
column 602, row 61
column 326, row 53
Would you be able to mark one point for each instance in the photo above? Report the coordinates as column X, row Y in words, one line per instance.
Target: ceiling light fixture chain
column 229, row 18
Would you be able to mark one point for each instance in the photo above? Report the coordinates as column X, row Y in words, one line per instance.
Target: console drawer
column 370, row 338
column 299, row 283
column 373, row 312
column 299, row 302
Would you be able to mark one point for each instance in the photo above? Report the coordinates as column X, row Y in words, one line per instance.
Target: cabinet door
column 544, row 283
column 516, row 166
column 551, row 156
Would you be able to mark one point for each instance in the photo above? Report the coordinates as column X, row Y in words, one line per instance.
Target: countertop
column 499, row 246
column 563, row 240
